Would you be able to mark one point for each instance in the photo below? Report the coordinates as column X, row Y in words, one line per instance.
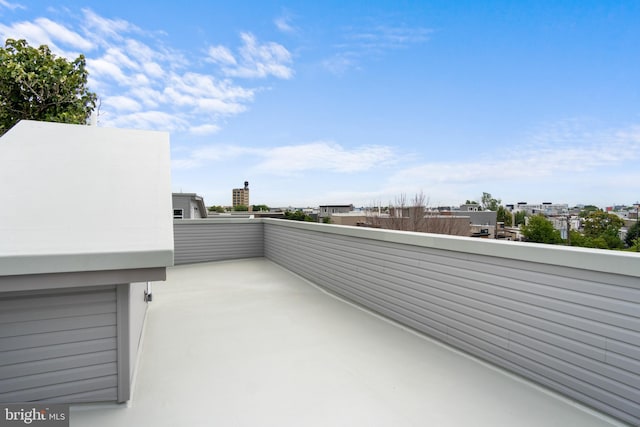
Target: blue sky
column 339, row 102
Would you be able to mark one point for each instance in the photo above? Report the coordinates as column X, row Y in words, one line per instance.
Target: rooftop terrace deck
column 248, row 343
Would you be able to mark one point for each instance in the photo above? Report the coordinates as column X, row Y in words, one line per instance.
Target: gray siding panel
column 574, row 330
column 216, row 240
column 55, row 392
column 100, row 395
column 58, row 345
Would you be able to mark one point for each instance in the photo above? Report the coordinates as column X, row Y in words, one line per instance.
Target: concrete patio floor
column 248, row 343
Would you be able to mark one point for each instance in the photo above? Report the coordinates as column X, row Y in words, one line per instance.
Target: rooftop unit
column 85, row 224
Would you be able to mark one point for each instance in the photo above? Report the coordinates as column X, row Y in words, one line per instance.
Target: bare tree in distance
column 414, row 215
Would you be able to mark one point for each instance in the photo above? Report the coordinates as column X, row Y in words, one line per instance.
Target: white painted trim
column 63, row 263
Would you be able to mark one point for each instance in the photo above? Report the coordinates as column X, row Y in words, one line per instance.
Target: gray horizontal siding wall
column 217, row 240
column 572, row 329
column 58, row 346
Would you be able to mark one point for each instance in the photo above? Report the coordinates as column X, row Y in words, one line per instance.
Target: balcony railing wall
column 566, row 318
column 201, row 240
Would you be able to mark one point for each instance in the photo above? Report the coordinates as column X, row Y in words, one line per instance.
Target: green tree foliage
column 519, row 218
column 600, row 222
column 540, row 230
column 260, row 208
column 600, row 230
column 633, row 234
column 587, row 210
column 218, row 209
column 579, row 239
column 297, row 216
column 503, row 215
column 635, row 247
column 605, row 226
column 37, row 85
column 489, row 203
column 240, row 208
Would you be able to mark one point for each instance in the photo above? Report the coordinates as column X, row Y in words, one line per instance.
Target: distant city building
column 188, row 206
column 353, row 218
column 469, row 207
column 240, row 196
column 476, row 215
column 481, row 223
column 415, row 219
column 545, row 208
column 328, row 210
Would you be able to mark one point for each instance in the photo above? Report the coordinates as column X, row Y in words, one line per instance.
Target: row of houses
column 465, row 221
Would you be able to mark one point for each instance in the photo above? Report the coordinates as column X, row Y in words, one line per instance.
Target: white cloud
column 150, row 120
column 296, row 159
column 221, row 55
column 153, row 69
column 201, row 85
column 149, row 97
column 219, row 106
column 206, row 129
column 177, row 97
column 218, row 153
column 142, row 52
column 561, row 156
column 137, row 75
column 283, row 23
column 384, row 37
column 140, row 79
column 207, row 94
column 183, row 164
column 340, row 63
column 100, row 28
column 62, row 34
column 325, row 156
column 361, row 43
column 115, row 55
column 29, row 31
column 534, row 164
column 260, row 60
column 10, row 5
column 122, row 104
column 102, row 68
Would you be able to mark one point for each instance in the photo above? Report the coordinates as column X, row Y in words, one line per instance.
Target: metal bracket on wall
column 148, row 296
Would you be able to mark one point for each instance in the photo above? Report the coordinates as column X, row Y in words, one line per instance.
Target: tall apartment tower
column 240, row 196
